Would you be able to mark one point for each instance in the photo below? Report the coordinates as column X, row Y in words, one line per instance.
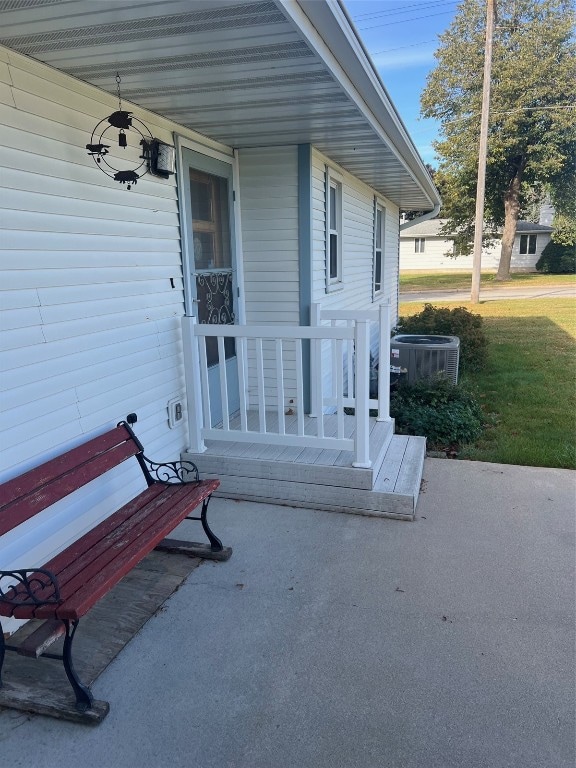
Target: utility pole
column 479, row 221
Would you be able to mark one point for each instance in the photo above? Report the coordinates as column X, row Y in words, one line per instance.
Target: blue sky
column 401, row 37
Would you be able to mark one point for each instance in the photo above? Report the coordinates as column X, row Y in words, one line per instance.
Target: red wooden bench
column 64, row 589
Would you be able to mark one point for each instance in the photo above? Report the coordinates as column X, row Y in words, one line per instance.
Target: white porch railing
column 269, row 424
column 345, row 363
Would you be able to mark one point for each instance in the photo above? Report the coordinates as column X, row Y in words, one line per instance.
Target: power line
column 535, row 109
column 402, row 9
column 493, row 113
column 507, row 112
column 402, row 47
column 404, row 21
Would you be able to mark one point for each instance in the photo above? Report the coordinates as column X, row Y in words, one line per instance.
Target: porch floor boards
column 380, row 435
column 320, row 479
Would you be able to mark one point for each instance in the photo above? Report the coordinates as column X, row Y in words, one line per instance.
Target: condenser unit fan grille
column 417, row 357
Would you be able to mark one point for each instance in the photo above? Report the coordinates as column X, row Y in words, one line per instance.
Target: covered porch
column 287, row 415
column 285, row 97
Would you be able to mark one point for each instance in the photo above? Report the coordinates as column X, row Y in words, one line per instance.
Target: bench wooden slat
column 17, row 509
column 166, row 511
column 93, row 583
column 38, row 476
column 69, row 562
column 82, row 560
column 27, row 506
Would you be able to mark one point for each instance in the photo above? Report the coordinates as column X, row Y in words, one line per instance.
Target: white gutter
column 429, row 215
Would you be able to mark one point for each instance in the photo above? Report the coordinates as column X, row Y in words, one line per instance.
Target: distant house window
column 527, row 244
column 379, row 225
column 333, row 233
column 419, row 243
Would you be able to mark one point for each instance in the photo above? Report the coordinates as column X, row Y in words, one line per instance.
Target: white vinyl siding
column 269, row 202
column 525, row 262
column 357, row 242
column 357, row 245
column 91, row 298
column 438, row 250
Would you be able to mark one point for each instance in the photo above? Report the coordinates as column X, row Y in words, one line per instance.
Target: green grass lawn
column 423, row 281
column 528, row 389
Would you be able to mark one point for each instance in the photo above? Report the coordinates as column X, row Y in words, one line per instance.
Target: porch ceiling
column 247, row 74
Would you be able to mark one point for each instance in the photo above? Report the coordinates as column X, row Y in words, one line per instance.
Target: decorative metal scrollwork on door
column 215, row 293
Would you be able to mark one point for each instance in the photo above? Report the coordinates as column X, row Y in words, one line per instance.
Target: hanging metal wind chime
column 122, row 121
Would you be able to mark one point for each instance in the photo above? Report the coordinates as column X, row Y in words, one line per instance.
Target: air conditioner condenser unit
column 414, row 357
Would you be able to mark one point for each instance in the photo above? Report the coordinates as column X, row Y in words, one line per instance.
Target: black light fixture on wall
column 161, row 158
column 157, row 157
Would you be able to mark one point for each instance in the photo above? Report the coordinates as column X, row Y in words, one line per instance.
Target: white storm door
column 209, row 216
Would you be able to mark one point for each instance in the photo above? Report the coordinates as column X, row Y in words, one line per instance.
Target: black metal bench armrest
column 169, row 473
column 166, row 473
column 24, row 585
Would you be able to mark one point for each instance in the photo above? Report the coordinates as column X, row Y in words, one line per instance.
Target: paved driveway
column 334, row 641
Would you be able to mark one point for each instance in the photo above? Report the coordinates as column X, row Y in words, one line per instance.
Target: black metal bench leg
column 215, row 542
column 84, row 698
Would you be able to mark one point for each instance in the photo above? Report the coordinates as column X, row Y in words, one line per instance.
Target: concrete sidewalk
column 334, row 641
column 495, row 294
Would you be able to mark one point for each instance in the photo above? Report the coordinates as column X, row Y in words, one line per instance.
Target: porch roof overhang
column 247, row 74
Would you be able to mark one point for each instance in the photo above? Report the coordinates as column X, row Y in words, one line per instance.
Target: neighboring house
column 422, row 247
column 292, row 166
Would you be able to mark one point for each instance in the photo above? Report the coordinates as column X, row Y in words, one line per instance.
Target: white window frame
column 379, row 251
column 333, row 181
column 419, row 244
column 526, row 241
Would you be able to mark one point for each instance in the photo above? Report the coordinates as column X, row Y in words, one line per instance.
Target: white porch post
column 384, row 363
column 315, row 352
column 362, row 374
column 193, row 385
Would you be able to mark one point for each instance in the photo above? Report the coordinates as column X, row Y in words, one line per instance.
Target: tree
column 532, row 130
column 410, row 215
column 564, row 230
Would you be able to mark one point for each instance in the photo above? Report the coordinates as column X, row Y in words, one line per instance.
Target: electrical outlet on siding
column 175, row 412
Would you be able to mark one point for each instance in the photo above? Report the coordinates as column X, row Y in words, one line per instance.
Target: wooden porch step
column 394, row 493
column 401, row 472
column 303, row 465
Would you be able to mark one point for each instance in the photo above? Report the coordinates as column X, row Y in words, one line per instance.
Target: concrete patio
column 340, row 641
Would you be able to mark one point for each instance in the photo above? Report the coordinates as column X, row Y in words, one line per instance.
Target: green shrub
column 452, row 322
column 437, row 409
column 557, row 259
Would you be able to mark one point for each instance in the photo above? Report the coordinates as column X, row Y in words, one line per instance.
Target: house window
column 379, row 224
column 527, row 244
column 419, row 243
column 333, row 233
